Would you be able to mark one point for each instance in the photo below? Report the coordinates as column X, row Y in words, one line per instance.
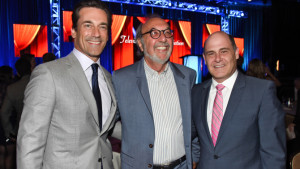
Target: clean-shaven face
column 92, row 32
column 220, row 57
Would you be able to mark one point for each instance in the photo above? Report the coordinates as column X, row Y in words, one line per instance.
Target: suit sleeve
column 195, row 141
column 272, row 130
column 117, row 130
column 36, row 116
column 6, row 113
column 195, row 148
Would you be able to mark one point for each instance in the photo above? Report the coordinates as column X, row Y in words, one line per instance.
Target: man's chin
column 160, row 61
column 95, row 55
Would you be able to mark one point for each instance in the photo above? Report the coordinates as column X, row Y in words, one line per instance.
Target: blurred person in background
column 6, row 78
column 30, row 58
column 256, row 68
column 47, row 57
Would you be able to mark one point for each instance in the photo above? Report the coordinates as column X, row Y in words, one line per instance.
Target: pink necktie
column 217, row 115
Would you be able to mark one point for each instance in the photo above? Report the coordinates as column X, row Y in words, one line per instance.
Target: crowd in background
column 12, row 87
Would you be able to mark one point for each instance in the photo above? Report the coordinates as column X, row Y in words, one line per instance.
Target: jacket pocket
column 126, row 161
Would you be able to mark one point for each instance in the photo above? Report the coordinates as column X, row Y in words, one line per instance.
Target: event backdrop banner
column 123, row 33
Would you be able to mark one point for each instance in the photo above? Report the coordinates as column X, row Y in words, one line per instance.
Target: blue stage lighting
column 55, row 26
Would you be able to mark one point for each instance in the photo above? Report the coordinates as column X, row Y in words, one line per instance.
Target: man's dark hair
column 27, row 56
column 94, row 4
column 23, row 67
column 6, row 70
column 48, row 57
column 6, row 73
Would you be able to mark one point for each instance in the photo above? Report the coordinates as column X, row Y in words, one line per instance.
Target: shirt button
column 149, row 165
column 99, row 160
column 150, row 145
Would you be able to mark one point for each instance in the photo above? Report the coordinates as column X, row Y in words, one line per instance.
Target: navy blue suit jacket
column 252, row 133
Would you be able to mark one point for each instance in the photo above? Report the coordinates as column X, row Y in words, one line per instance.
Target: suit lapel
column 143, row 85
column 204, row 102
column 233, row 102
column 183, row 89
column 108, row 80
column 79, row 77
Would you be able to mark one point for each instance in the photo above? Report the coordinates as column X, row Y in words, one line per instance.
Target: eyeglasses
column 155, row 33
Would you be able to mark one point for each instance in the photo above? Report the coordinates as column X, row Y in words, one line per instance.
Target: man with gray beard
column 154, row 103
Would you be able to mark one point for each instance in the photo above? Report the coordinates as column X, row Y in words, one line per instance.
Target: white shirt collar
column 228, row 82
column 84, row 61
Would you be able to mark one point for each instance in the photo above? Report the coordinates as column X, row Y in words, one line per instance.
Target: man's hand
column 194, row 165
column 290, row 132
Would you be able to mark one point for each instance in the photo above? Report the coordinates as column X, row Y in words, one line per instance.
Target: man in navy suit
column 154, row 103
column 238, row 119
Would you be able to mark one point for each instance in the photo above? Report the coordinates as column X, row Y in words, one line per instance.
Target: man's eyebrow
column 103, row 23
column 86, row 22
column 209, row 51
column 224, row 48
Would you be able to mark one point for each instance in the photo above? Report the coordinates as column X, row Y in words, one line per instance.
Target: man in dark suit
column 13, row 101
column 66, row 119
column 12, row 108
column 154, row 103
column 238, row 119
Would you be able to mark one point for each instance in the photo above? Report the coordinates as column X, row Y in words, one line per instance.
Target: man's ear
column 140, row 45
column 73, row 33
column 237, row 54
column 204, row 58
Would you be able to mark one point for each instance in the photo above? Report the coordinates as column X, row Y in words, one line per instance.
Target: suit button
column 149, row 165
column 216, row 156
column 99, row 160
column 150, row 145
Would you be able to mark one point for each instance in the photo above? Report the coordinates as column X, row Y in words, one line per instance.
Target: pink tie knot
column 220, row 87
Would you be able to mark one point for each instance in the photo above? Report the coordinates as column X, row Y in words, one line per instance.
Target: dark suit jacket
column 252, row 134
column 13, row 102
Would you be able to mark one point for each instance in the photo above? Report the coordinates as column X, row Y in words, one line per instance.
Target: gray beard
column 155, row 58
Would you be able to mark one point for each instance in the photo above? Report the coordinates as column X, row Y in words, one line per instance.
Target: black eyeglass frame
column 153, row 29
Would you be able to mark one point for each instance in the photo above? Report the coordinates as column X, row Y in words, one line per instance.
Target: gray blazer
column 59, row 127
column 252, row 133
column 136, row 113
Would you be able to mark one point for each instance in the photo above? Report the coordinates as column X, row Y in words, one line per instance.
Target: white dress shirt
column 228, row 83
column 169, row 141
column 105, row 95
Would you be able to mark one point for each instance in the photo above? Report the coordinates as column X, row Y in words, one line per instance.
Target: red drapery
column 123, row 46
column 117, row 26
column 181, row 48
column 67, row 25
column 40, row 45
column 185, row 27
column 24, row 34
column 240, row 44
column 211, row 28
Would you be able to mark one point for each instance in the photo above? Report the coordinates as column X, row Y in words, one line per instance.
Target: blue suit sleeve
column 272, row 130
